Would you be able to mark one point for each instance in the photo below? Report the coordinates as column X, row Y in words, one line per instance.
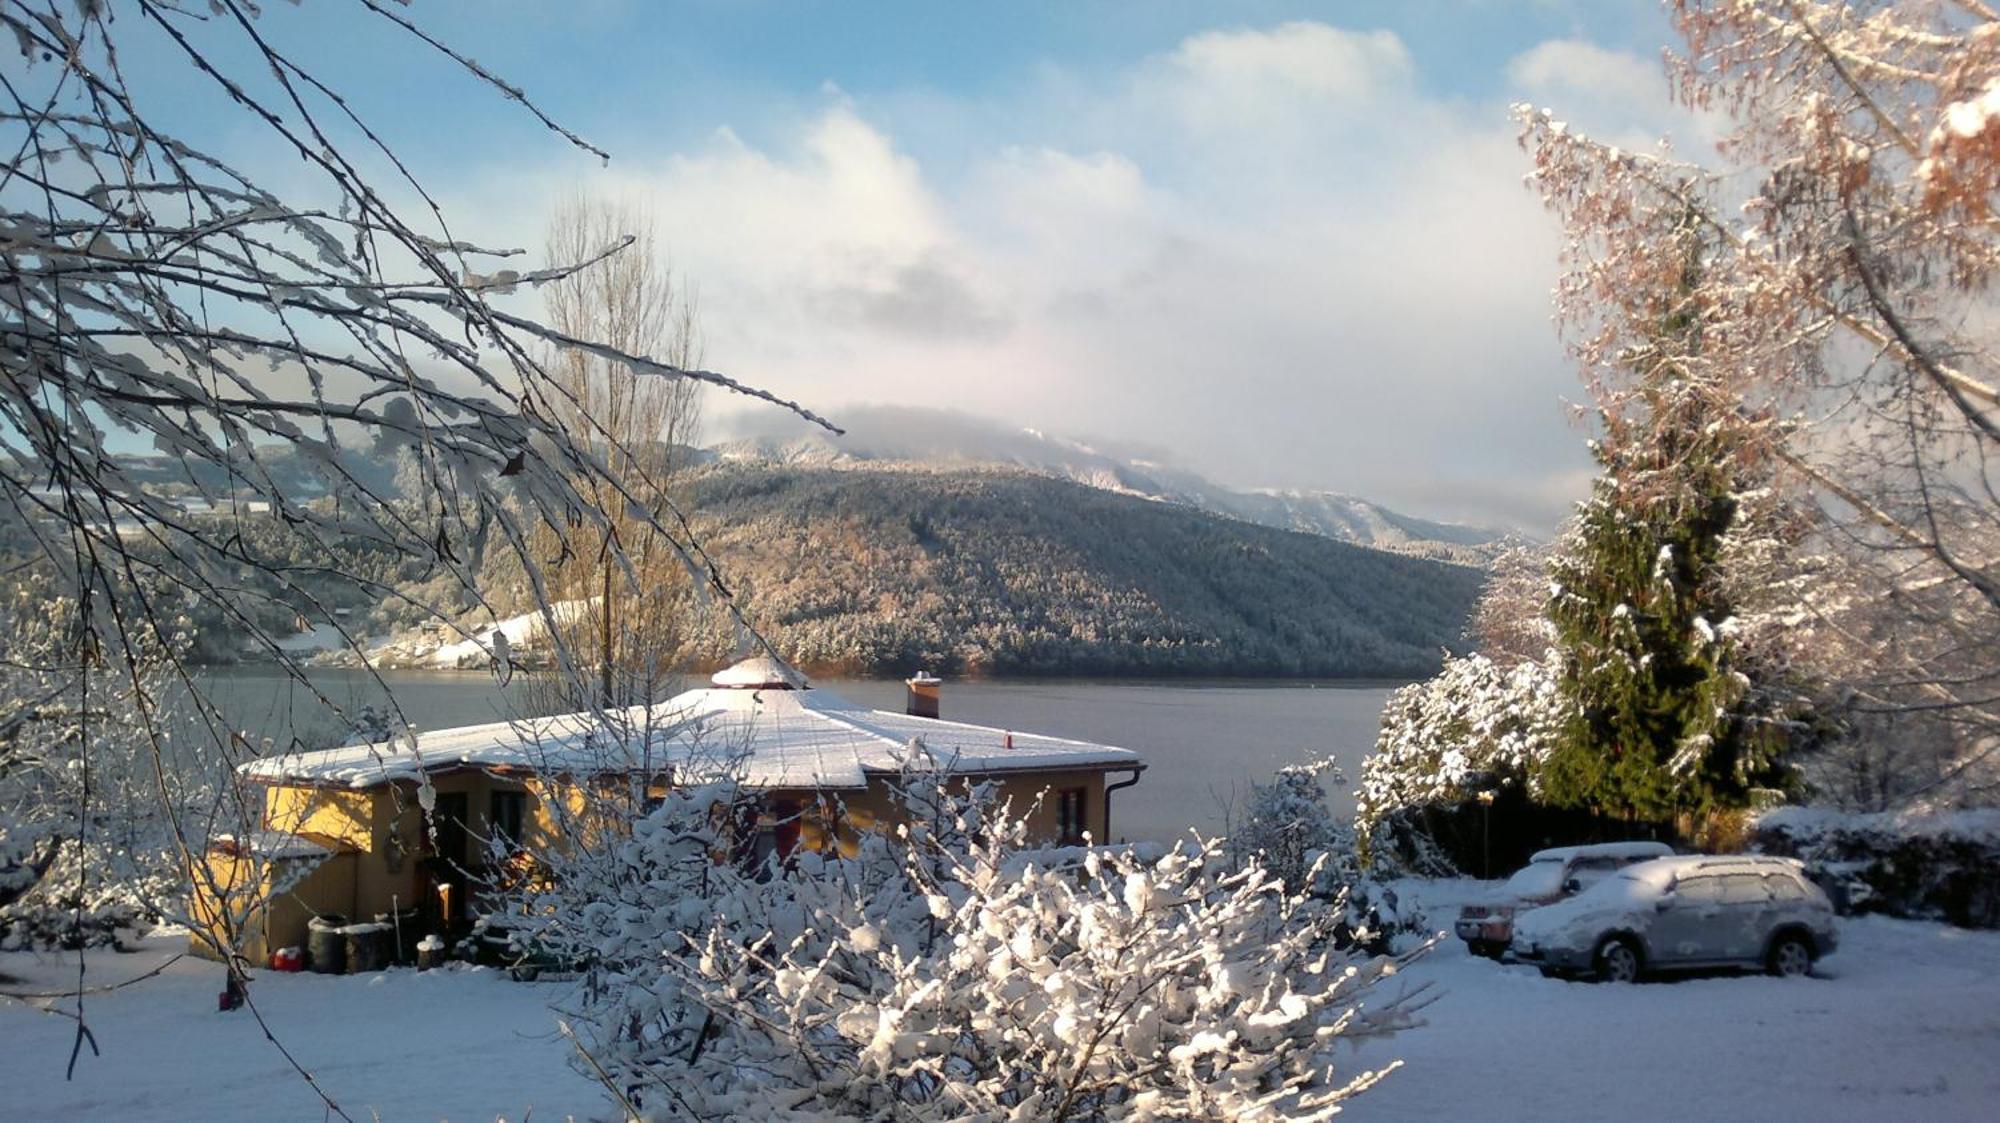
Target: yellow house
column 346, row 832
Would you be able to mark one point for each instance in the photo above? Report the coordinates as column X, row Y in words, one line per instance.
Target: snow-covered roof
column 1603, row 850
column 759, row 673
column 273, row 845
column 1663, row 872
column 1974, row 825
column 783, row 736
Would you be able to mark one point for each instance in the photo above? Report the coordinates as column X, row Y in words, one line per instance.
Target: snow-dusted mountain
column 880, row 435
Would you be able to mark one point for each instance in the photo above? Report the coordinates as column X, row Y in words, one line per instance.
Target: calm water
column 1204, row 742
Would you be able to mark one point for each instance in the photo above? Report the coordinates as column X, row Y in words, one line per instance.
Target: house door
column 447, row 841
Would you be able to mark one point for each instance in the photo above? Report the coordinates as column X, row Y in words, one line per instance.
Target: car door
column 1682, row 930
column 1745, row 915
column 1791, row 902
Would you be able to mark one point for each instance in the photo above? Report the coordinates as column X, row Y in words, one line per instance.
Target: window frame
column 1072, row 814
column 497, row 827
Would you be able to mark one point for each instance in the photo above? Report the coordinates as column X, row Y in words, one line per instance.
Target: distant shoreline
column 826, row 674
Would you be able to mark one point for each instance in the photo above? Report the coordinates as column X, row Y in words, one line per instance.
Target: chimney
column 922, row 700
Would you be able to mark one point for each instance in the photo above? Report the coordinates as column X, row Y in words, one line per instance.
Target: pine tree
column 1662, row 718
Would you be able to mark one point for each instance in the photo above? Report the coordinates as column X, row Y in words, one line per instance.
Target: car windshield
column 1631, row 884
column 1536, row 879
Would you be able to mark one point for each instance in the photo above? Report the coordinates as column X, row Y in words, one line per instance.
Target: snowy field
column 1904, row 1023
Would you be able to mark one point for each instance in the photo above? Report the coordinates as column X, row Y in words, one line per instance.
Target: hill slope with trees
column 983, row 571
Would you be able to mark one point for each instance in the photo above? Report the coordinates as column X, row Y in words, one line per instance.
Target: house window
column 504, row 817
column 1070, row 823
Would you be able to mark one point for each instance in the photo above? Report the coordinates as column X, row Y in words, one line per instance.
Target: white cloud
column 1568, row 67
column 1265, row 250
column 1618, row 96
column 1218, row 77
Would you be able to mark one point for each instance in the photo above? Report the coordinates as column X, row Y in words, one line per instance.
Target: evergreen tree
column 1662, row 719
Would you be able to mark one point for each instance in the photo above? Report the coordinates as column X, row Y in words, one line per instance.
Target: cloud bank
column 1267, row 251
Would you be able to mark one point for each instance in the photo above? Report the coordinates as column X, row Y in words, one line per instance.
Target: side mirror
column 1665, row 902
column 1573, row 886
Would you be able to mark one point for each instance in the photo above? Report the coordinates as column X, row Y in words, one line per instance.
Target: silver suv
column 1550, row 875
column 1684, row 913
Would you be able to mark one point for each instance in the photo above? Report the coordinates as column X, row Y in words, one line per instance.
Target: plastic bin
column 326, row 944
column 367, row 947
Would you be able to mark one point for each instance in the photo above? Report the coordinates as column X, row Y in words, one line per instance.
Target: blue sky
column 1286, row 244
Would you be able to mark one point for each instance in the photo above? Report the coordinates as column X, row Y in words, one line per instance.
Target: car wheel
column 1617, row 961
column 1790, row 958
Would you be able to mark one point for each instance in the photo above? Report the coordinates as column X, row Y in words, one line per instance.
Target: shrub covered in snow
column 1474, row 727
column 949, row 972
column 1937, row 866
column 1288, row 829
column 86, row 845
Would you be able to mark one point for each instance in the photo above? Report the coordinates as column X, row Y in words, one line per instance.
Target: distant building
column 344, row 833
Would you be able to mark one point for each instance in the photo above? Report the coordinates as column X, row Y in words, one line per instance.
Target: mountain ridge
column 881, row 435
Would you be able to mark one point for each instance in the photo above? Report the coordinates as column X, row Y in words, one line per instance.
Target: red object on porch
column 288, row 959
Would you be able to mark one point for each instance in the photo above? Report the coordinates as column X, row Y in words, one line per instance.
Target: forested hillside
column 896, row 568
column 986, row 571
column 902, row 436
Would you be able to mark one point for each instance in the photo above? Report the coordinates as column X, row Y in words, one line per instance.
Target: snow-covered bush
column 1926, row 866
column 1474, row 727
column 1287, row 828
column 86, row 845
column 946, row 971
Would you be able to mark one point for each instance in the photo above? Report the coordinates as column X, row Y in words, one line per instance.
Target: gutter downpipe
column 1109, row 788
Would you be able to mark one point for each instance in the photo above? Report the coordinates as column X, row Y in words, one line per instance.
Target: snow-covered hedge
column 1929, row 866
column 1288, row 828
column 87, row 848
column 59, row 893
column 1475, row 726
column 951, row 971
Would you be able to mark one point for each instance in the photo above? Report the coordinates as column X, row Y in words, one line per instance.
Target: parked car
column 1673, row 914
column 1550, row 875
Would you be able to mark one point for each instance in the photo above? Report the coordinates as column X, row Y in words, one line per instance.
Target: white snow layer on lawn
column 1903, row 1023
column 460, row 1043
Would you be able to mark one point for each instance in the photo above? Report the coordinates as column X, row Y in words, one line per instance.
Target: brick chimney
column 922, row 699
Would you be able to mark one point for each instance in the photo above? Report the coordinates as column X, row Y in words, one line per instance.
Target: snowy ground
column 1904, row 1023
column 462, row 1043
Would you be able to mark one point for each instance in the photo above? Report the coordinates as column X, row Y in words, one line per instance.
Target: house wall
column 876, row 807
column 395, row 864
column 386, row 824
column 271, row 901
column 339, row 813
column 320, row 892
column 1022, row 792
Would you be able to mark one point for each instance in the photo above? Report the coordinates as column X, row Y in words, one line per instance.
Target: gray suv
column 1683, row 913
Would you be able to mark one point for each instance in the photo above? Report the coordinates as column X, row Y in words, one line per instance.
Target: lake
column 1204, row 742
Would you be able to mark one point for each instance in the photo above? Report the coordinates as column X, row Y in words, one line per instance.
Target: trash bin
column 367, row 947
column 326, row 944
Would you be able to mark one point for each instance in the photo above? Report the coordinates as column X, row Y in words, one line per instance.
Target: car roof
column 1603, row 850
column 1665, row 871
